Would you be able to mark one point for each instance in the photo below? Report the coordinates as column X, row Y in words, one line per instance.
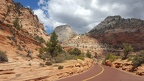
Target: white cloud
column 83, row 15
column 47, row 21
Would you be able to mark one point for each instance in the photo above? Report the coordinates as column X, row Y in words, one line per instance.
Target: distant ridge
column 115, row 31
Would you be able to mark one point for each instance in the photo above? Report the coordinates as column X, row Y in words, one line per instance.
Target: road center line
column 95, row 75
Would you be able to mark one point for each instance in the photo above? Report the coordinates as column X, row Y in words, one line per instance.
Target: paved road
column 104, row 73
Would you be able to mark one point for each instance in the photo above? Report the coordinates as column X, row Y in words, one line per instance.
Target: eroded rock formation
column 115, row 30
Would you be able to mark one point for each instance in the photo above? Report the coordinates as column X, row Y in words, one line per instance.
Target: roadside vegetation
column 53, row 52
column 88, row 54
column 110, row 57
column 138, row 60
column 127, row 48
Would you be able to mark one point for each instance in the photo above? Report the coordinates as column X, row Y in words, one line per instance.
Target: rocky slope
column 64, row 32
column 24, row 70
column 11, row 11
column 126, row 65
column 21, row 33
column 84, row 43
column 115, row 30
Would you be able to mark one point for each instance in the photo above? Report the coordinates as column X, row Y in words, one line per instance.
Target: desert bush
column 19, row 48
column 41, row 64
column 3, row 57
column 12, row 38
column 127, row 49
column 60, row 67
column 138, row 59
column 48, row 63
column 88, row 54
column 40, row 39
column 43, row 56
column 81, row 56
column 75, row 51
column 16, row 24
column 59, row 59
column 70, row 57
column 76, row 54
column 131, row 57
column 74, row 57
column 110, row 57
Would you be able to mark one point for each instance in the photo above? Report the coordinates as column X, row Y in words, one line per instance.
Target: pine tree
column 53, row 47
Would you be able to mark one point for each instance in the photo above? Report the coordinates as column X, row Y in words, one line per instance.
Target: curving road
column 103, row 73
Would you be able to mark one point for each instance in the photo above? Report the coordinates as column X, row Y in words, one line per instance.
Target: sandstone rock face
column 23, row 70
column 9, row 11
column 127, row 66
column 19, row 41
column 64, row 32
column 115, row 30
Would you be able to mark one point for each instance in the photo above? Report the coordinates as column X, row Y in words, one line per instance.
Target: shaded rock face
column 64, row 32
column 115, row 31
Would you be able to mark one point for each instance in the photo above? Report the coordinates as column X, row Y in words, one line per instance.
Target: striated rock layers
column 64, row 32
column 11, row 11
column 21, row 32
column 115, row 30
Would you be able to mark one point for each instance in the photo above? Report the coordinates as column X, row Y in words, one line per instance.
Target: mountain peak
column 64, row 32
column 110, row 18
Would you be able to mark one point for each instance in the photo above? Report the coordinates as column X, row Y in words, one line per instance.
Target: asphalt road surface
column 104, row 73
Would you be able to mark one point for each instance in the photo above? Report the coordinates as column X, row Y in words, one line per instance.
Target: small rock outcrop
column 64, row 32
column 127, row 66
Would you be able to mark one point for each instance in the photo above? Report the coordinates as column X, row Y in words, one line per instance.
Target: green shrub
column 60, row 67
column 75, row 51
column 59, row 59
column 42, row 65
column 81, row 56
column 43, row 56
column 40, row 39
column 3, row 57
column 70, row 57
column 48, row 63
column 12, row 38
column 16, row 24
column 138, row 60
column 88, row 54
column 127, row 49
column 19, row 48
column 110, row 57
column 130, row 58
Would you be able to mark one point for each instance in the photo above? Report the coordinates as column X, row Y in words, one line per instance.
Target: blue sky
column 82, row 15
column 32, row 3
